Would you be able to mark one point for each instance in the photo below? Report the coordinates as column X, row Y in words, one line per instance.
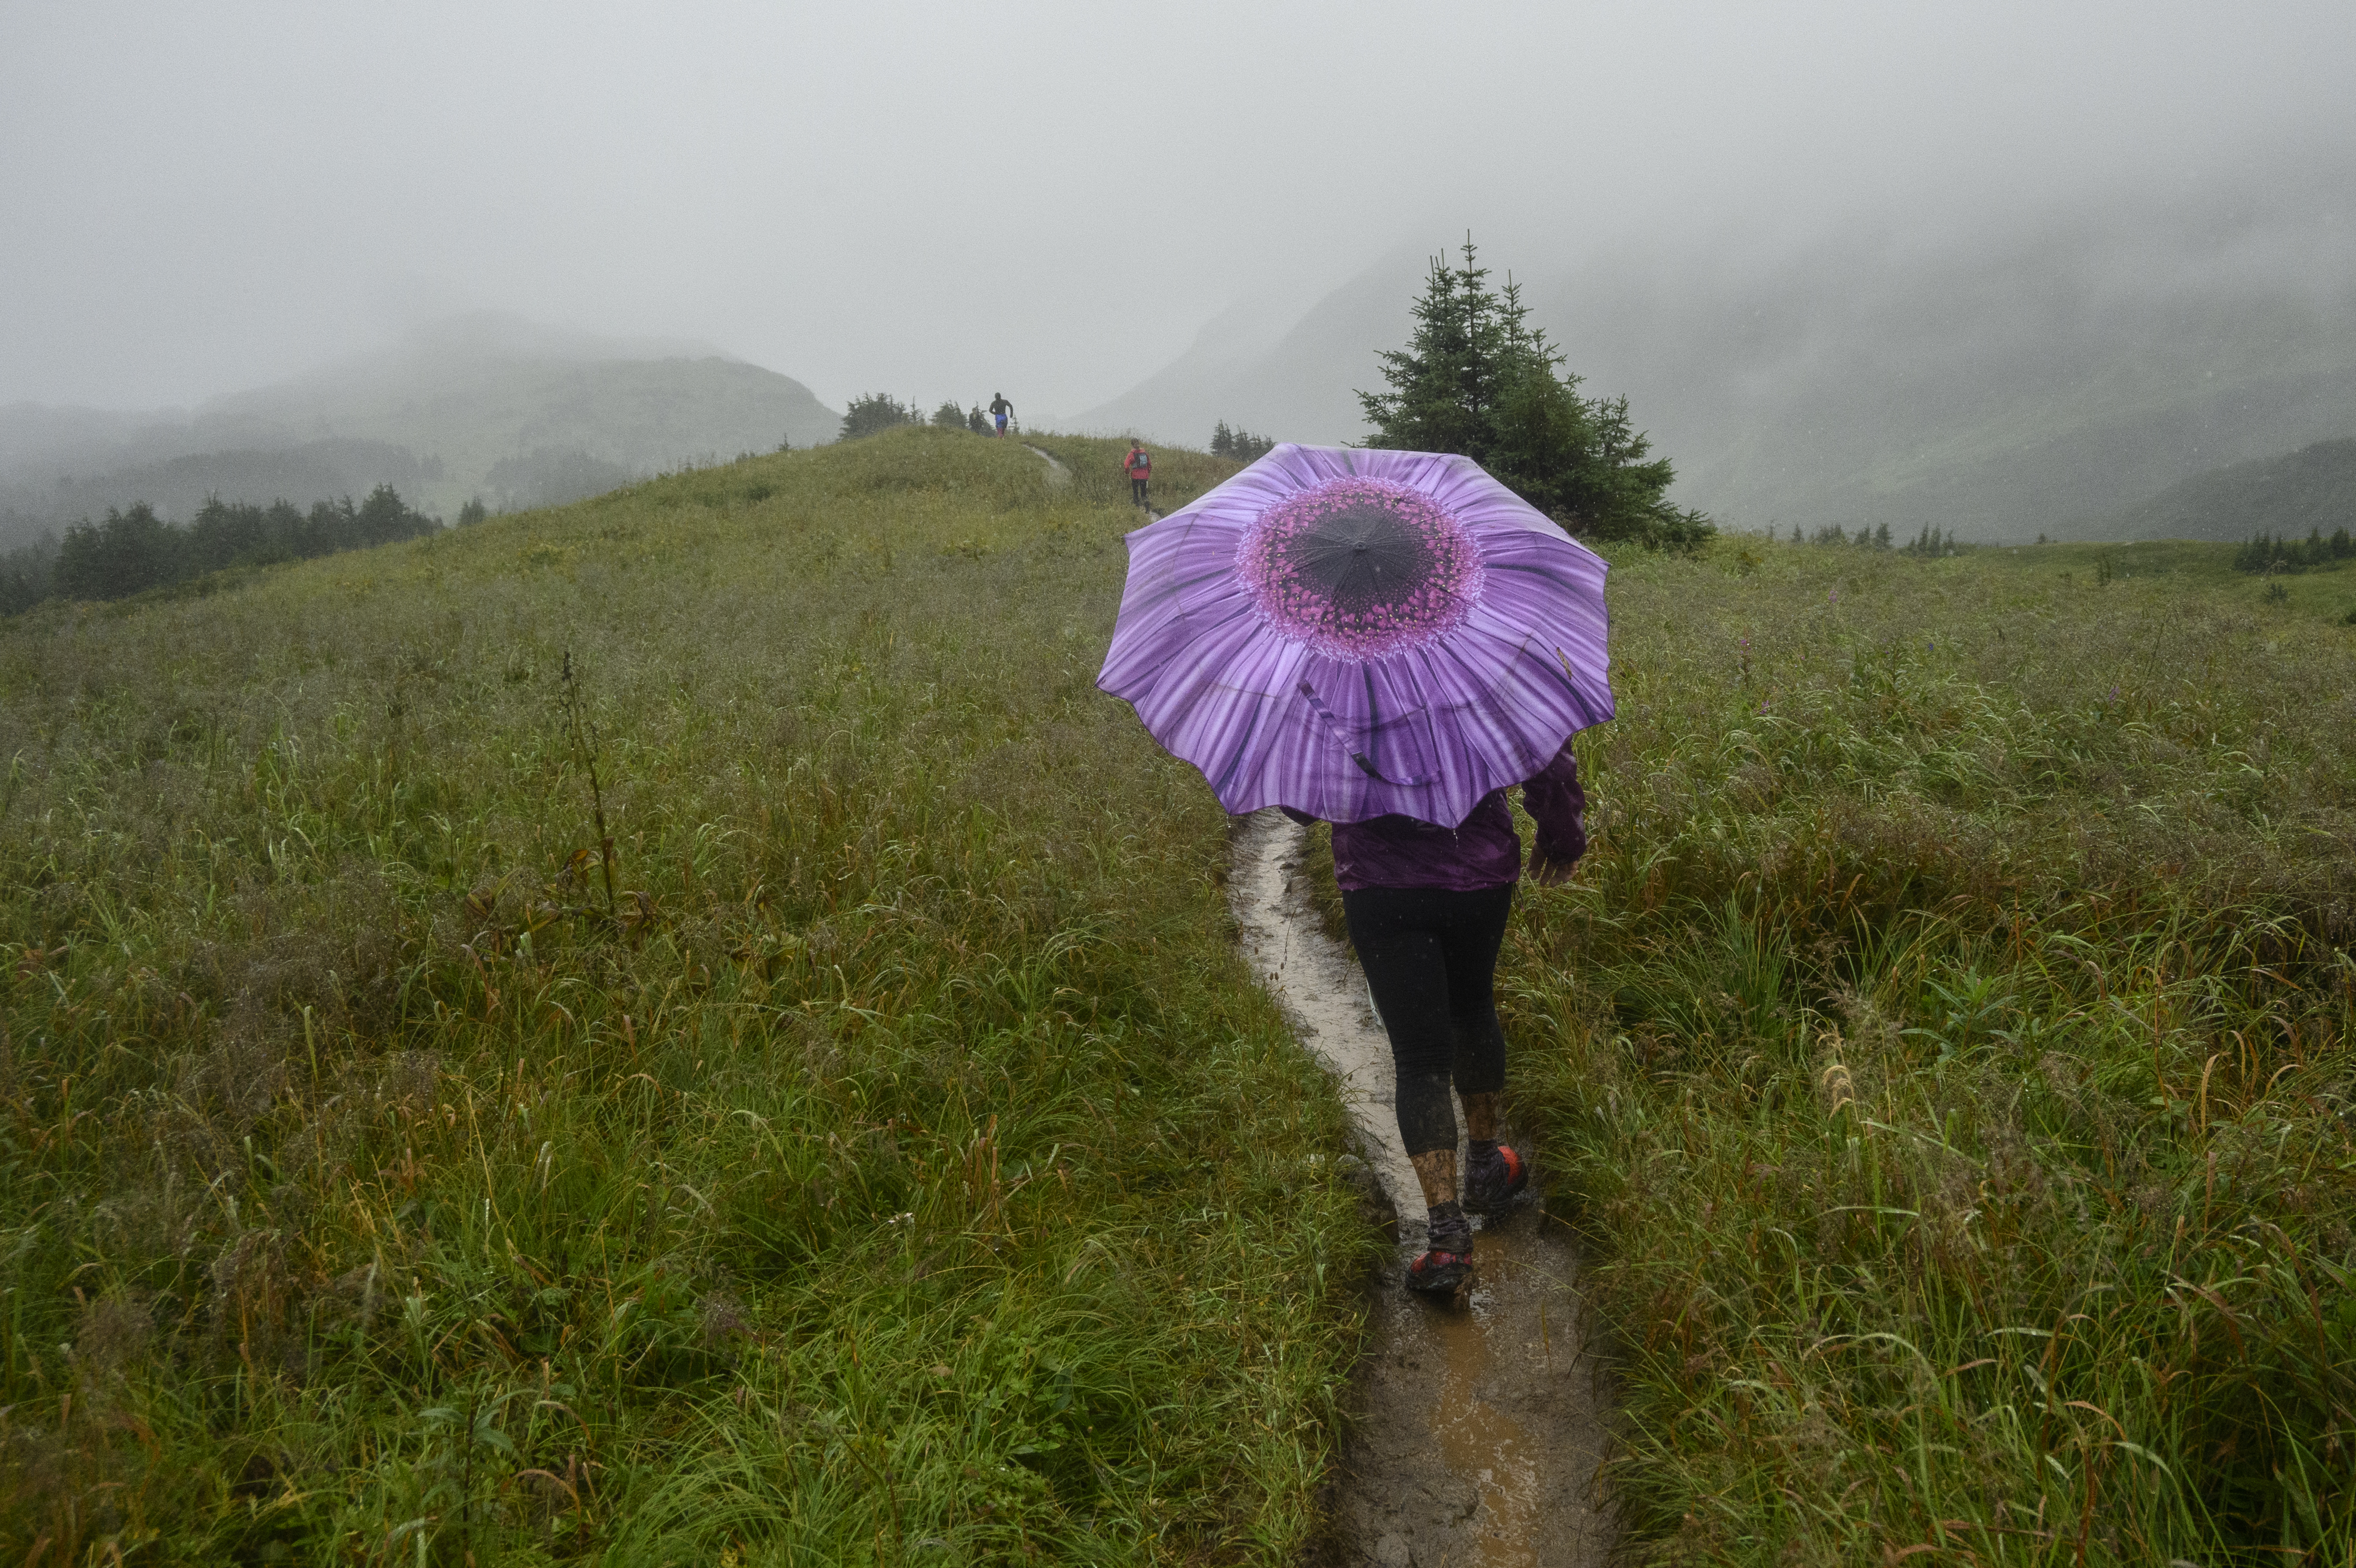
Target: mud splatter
column 1479, row 1423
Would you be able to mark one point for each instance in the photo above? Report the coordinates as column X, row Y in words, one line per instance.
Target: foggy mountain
column 178, row 487
column 2290, row 495
column 488, row 405
column 1997, row 384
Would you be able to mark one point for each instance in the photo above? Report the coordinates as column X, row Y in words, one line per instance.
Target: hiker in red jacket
column 1140, row 468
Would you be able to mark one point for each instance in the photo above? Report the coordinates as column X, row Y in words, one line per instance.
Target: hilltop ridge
column 436, row 414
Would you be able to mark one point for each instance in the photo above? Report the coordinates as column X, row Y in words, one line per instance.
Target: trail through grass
column 1946, row 1045
column 1948, row 1038
column 900, row 1170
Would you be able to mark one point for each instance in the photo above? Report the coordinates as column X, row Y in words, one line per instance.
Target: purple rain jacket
column 1482, row 852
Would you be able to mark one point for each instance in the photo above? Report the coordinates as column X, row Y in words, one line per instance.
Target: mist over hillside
column 178, row 487
column 2290, row 495
column 486, row 405
column 1998, row 383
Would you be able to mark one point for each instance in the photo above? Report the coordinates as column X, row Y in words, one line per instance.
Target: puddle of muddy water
column 1480, row 1427
column 1479, row 1421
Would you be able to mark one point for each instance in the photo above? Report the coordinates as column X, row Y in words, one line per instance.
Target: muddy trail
column 1057, row 474
column 1479, row 1422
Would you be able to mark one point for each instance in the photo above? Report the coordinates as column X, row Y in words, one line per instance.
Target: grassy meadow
column 890, row 1163
column 1178, row 473
column 1946, row 1050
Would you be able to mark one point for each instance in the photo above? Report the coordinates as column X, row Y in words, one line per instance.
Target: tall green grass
column 900, row 1168
column 1948, row 1047
column 1180, row 474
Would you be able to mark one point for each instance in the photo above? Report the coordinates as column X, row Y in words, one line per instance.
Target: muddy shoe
column 1493, row 1179
column 1439, row 1273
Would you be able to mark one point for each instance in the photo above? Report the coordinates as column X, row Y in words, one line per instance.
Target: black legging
column 1430, row 958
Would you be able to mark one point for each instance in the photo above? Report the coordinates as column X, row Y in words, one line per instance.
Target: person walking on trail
column 1426, row 908
column 1388, row 641
column 1000, row 410
column 1139, row 466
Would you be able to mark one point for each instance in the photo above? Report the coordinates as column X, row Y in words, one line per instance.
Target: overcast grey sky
column 1050, row 199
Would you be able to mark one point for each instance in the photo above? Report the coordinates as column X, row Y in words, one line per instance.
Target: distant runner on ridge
column 1139, row 466
column 1000, row 410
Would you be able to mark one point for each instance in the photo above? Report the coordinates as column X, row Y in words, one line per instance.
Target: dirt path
column 1057, row 473
column 1479, row 1423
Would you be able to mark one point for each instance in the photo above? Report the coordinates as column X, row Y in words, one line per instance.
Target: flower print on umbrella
column 1360, row 568
column 1354, row 633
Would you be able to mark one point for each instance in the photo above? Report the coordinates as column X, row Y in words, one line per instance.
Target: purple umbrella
column 1356, row 632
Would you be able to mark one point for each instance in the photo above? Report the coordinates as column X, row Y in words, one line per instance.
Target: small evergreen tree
column 874, row 411
column 384, row 517
column 474, row 511
column 1477, row 379
column 1223, row 441
column 949, row 416
column 1881, row 537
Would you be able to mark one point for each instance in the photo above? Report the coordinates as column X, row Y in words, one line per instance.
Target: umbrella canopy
column 1356, row 632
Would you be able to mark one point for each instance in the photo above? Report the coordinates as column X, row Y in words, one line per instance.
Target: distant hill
column 486, row 405
column 2289, row 496
column 1994, row 384
column 178, row 487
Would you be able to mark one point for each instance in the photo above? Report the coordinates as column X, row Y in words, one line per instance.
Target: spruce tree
column 1477, row 379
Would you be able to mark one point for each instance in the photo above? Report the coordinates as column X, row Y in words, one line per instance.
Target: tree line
column 134, row 550
column 2265, row 554
column 874, row 411
column 1239, row 443
column 1931, row 544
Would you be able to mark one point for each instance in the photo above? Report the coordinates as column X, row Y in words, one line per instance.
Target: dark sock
column 1481, row 1149
column 1448, row 1230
